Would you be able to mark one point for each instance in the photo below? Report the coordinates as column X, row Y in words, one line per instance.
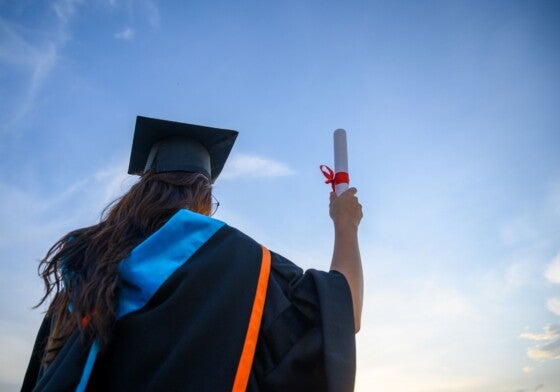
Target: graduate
column 159, row 296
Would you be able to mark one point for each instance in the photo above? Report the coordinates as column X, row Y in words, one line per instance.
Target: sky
column 451, row 111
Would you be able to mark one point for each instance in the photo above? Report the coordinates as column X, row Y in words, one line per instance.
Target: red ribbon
column 334, row 178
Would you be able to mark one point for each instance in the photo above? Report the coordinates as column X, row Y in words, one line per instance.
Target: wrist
column 345, row 228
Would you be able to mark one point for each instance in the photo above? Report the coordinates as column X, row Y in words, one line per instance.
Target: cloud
column 552, row 272
column 518, row 231
column 147, row 9
column 550, row 332
column 152, row 13
column 553, row 304
column 44, row 64
column 535, row 389
column 253, row 166
column 14, row 50
column 518, row 273
column 113, row 181
column 126, row 34
column 65, row 9
column 547, row 351
column 527, row 369
column 36, row 218
column 501, row 283
column 34, row 61
column 33, row 56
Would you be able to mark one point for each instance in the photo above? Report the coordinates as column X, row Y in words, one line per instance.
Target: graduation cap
column 165, row 146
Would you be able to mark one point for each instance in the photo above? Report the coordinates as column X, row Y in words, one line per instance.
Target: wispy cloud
column 254, row 166
column 535, row 389
column 152, row 13
column 518, row 231
column 553, row 304
column 65, row 9
column 552, row 272
column 35, row 216
column 126, row 34
column 34, row 60
column 33, row 56
column 147, row 9
column 14, row 50
column 502, row 283
column 114, row 181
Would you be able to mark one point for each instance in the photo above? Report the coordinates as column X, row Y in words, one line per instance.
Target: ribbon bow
column 334, row 178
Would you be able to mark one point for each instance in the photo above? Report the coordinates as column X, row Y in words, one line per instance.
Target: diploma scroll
column 340, row 161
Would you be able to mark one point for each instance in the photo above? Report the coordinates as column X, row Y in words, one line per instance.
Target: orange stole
column 248, row 353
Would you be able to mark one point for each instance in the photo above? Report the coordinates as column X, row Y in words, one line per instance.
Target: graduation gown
column 184, row 305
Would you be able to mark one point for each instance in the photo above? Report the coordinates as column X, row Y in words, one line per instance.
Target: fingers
column 350, row 191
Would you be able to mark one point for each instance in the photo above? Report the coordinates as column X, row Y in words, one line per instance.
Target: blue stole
column 152, row 262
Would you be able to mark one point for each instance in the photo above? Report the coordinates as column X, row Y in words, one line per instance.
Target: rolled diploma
column 340, row 158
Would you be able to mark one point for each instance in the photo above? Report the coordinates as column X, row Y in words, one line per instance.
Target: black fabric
column 65, row 371
column 190, row 334
column 307, row 337
column 34, row 368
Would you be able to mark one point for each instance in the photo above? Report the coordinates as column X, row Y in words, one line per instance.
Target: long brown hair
column 80, row 270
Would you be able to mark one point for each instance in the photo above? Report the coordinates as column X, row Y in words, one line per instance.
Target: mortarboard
column 165, row 146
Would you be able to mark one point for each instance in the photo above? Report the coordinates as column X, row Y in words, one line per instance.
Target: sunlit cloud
column 547, row 351
column 550, row 332
column 527, row 369
column 552, row 272
column 126, row 34
column 253, row 166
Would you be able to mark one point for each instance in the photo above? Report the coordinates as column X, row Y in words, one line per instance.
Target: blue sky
column 454, row 141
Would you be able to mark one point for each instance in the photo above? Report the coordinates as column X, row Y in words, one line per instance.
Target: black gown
column 184, row 305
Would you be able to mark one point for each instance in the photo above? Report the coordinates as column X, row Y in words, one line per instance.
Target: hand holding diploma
column 346, row 213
